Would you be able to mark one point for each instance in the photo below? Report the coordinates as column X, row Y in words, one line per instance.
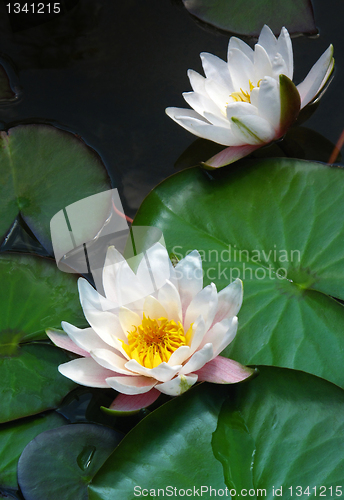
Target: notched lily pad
column 239, row 17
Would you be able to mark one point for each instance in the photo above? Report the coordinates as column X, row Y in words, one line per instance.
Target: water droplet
column 85, row 457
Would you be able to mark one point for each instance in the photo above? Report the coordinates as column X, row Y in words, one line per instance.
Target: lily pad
column 30, row 382
column 34, row 295
column 291, row 420
column 277, row 224
column 160, row 451
column 43, row 170
column 62, row 462
column 14, row 436
column 239, row 17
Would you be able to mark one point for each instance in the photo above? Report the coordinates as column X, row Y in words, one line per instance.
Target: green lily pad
column 34, row 296
column 239, row 17
column 61, row 463
column 30, row 382
column 170, row 447
column 43, row 170
column 14, row 436
column 292, row 420
column 277, row 224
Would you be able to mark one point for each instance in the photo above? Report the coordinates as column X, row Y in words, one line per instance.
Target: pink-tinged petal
column 189, row 274
column 237, row 43
column 314, row 81
column 222, row 334
column 197, row 82
column 180, row 355
column 229, row 301
column 169, row 298
column 162, row 372
column 229, row 155
column 130, row 404
column 285, row 48
column 197, row 360
column 86, row 338
column 290, row 104
column 268, row 40
column 111, row 361
column 199, row 127
column 153, row 309
column 178, row 385
column 217, row 69
column 241, row 70
column 85, row 371
column 262, row 64
column 204, row 304
column 224, row 371
column 131, row 385
column 255, row 129
column 64, row 342
column 154, row 269
column 269, row 102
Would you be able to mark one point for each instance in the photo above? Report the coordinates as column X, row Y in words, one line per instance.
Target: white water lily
column 160, row 342
column 250, row 100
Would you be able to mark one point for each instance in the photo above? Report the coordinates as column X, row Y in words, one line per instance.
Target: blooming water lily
column 143, row 342
column 250, row 100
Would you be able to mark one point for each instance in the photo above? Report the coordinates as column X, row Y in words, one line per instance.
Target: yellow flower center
column 244, row 96
column 154, row 341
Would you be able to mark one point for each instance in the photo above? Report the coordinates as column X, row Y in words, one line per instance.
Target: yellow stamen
column 244, row 96
column 154, row 341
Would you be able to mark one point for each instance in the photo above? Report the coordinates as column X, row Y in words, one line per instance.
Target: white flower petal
column 256, row 129
column 199, row 127
column 311, row 85
column 218, row 94
column 262, row 64
column 178, row 385
column 89, row 294
column 64, row 342
column 237, row 43
column 169, row 298
column 86, row 371
column 197, row 334
column 111, row 361
column 180, row 355
column 268, row 40
column 197, row 82
column 104, row 323
column 205, row 107
column 203, row 304
column 239, row 109
column 279, row 66
column 131, row 385
column 153, row 309
column 269, row 102
column 86, row 338
column 229, row 301
column 217, row 69
column 189, row 274
column 154, row 269
column 222, row 334
column 128, row 320
column 241, row 70
column 162, row 373
column 285, row 48
column 198, row 359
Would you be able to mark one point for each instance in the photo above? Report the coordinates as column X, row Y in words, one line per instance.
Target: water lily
column 250, row 100
column 143, row 343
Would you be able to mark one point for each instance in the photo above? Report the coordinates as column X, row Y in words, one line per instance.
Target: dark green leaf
column 239, row 17
column 61, row 463
column 277, row 224
column 14, row 436
column 30, row 382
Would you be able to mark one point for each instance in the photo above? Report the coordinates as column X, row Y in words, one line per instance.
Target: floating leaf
column 34, row 295
column 30, row 382
column 292, row 419
column 43, row 170
column 277, row 224
column 14, row 436
column 61, row 463
column 239, row 17
column 161, row 450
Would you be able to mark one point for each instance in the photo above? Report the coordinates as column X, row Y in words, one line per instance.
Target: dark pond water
column 107, row 69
